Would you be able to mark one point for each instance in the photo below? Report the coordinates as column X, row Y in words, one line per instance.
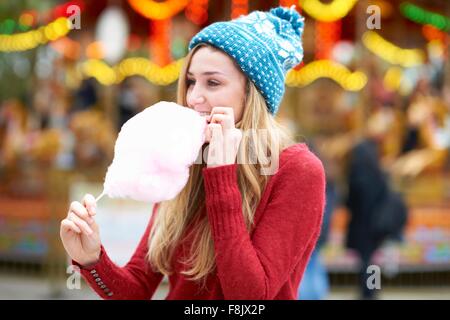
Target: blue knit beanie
column 264, row 44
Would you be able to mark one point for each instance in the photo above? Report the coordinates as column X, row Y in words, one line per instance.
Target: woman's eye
column 190, row 82
column 213, row 83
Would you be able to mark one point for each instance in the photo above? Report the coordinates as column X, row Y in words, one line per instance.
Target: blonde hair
column 174, row 217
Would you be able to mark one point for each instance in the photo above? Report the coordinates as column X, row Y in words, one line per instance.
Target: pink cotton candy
column 153, row 153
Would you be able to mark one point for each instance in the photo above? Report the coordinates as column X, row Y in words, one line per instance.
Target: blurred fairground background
column 71, row 73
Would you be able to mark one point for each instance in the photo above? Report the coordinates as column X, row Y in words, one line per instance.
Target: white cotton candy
column 153, row 153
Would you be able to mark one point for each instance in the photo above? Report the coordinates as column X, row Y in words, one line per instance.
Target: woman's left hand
column 224, row 138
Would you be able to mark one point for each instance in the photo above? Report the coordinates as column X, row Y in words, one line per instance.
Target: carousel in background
column 71, row 73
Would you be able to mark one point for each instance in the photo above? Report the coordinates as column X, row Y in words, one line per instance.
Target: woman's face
column 213, row 80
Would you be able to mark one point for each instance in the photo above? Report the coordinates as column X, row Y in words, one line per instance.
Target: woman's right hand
column 80, row 233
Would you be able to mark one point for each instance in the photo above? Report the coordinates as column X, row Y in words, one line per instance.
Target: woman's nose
column 195, row 96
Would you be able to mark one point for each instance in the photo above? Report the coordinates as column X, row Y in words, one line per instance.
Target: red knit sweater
column 268, row 263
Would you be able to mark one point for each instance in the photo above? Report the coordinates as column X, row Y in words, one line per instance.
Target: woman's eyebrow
column 207, row 73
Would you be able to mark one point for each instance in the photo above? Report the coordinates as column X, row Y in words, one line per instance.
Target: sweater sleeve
column 256, row 267
column 135, row 280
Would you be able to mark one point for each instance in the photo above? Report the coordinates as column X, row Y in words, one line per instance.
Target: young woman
column 234, row 231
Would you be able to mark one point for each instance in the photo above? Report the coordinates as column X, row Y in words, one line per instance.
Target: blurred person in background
column 426, row 141
column 315, row 283
column 127, row 103
column 376, row 212
column 94, row 138
column 13, row 129
column 86, row 96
